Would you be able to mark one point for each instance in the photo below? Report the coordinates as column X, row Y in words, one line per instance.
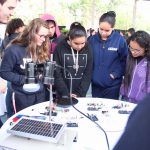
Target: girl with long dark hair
column 136, row 82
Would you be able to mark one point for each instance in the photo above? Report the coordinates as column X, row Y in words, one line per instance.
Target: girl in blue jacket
column 109, row 56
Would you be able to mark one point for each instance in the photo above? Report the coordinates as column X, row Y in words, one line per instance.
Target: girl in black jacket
column 74, row 55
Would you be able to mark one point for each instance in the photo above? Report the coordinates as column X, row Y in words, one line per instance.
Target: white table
column 90, row 137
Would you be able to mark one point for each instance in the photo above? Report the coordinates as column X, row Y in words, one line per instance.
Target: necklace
column 75, row 60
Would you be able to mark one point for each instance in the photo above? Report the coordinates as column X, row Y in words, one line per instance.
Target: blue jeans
column 9, row 104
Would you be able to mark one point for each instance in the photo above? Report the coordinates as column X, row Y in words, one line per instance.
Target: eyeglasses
column 134, row 50
column 42, row 36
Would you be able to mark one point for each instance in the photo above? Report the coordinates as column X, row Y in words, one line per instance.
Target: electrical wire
column 79, row 110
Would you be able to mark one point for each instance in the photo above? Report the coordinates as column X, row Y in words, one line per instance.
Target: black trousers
column 107, row 92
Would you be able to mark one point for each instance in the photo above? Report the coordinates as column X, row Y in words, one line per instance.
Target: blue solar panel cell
column 37, row 129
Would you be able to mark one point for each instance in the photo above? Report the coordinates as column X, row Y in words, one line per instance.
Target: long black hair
column 77, row 31
column 143, row 39
column 13, row 25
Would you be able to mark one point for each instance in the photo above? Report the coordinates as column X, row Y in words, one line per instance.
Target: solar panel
column 37, row 129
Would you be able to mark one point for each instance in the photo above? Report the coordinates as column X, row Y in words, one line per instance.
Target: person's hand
column 73, row 95
column 53, row 106
column 3, row 86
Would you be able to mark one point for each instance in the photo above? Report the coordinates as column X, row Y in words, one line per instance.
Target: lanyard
column 75, row 60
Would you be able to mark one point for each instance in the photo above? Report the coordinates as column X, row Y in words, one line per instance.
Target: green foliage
column 85, row 11
column 64, row 30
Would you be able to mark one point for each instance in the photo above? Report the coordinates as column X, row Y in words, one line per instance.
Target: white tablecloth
column 90, row 137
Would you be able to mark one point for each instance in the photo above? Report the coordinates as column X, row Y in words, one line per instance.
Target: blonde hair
column 28, row 40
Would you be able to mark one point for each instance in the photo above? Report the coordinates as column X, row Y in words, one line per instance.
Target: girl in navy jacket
column 109, row 56
column 31, row 46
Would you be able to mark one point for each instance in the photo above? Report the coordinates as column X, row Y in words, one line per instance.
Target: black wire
column 79, row 110
column 95, row 123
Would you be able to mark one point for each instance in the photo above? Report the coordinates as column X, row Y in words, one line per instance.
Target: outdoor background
column 130, row 13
